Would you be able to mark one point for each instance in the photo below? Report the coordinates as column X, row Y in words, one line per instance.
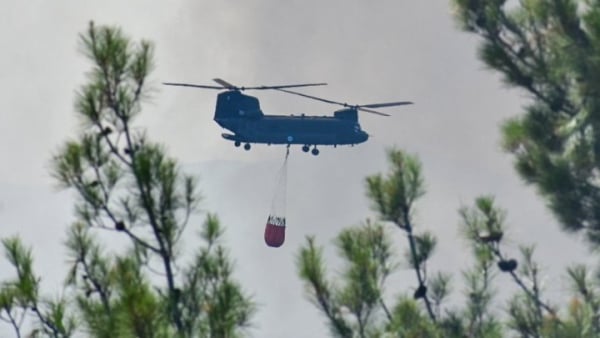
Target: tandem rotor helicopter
column 241, row 114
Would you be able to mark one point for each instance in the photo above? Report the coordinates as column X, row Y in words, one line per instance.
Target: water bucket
column 275, row 231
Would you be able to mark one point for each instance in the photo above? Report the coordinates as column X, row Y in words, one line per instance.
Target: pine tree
column 127, row 186
column 354, row 302
column 355, row 306
column 549, row 49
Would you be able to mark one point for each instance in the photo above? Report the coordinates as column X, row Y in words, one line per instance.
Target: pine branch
column 416, row 265
column 98, row 287
column 312, row 271
column 114, row 219
column 47, row 323
column 114, row 150
column 386, row 310
column 532, row 294
column 165, row 253
column 16, row 326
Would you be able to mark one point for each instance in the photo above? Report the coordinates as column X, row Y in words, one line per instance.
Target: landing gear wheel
column 237, row 143
column 315, row 151
column 305, row 148
column 247, row 146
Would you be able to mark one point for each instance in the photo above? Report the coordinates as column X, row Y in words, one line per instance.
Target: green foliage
column 355, row 304
column 408, row 320
column 393, row 198
column 394, row 195
column 312, row 272
column 21, row 296
column 549, row 48
column 127, row 186
column 368, row 258
column 210, row 292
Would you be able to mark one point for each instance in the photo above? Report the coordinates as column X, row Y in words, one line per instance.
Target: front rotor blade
column 372, row 111
column 287, row 86
column 387, row 104
column 313, row 97
column 191, row 85
column 224, row 83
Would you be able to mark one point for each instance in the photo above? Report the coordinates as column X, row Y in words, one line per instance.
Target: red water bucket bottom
column 274, row 235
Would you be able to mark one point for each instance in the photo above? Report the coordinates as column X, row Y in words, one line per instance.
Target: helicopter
column 242, row 116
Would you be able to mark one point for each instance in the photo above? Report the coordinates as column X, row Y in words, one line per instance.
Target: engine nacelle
column 347, row 114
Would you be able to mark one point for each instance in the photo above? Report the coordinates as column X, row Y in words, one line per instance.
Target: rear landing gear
column 237, row 143
column 247, row 146
column 305, row 148
column 315, row 151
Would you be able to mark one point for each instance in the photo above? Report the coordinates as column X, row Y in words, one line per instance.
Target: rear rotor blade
column 191, row 85
column 361, row 107
column 372, row 111
column 387, row 104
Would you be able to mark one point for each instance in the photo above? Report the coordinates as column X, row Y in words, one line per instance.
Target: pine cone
column 420, row 292
column 120, row 225
column 507, row 265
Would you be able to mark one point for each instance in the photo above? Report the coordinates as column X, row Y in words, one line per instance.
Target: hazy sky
column 368, row 51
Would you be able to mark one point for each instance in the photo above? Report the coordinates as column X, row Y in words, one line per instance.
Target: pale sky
column 367, row 52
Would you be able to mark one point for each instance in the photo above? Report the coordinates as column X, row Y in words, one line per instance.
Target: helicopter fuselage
column 241, row 115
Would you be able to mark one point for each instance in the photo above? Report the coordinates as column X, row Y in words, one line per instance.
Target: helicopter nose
column 364, row 136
